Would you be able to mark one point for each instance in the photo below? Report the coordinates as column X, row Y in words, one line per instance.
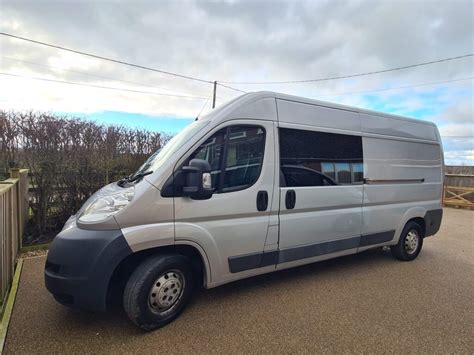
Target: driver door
column 232, row 226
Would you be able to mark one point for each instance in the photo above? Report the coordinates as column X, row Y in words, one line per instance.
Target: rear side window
column 309, row 158
column 235, row 154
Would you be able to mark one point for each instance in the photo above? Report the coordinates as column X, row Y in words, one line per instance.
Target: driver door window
column 239, row 149
column 212, row 150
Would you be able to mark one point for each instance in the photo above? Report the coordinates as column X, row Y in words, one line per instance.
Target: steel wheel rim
column 411, row 241
column 167, row 291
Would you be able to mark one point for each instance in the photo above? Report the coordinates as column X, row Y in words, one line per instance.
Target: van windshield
column 156, row 160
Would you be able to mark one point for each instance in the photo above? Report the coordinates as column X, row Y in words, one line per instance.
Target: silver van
column 265, row 182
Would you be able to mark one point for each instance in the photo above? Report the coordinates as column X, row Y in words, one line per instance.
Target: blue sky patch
column 136, row 120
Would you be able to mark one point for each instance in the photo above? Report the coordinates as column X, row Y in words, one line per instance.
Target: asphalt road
column 363, row 303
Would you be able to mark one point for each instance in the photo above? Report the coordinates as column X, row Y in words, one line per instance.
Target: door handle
column 262, row 201
column 290, row 199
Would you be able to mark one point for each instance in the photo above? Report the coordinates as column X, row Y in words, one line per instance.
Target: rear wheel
column 410, row 243
column 158, row 290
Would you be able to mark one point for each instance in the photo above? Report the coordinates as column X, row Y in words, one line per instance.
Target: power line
column 203, row 106
column 399, row 87
column 107, row 59
column 230, row 87
column 102, row 87
column 94, row 75
column 350, row 75
column 229, row 82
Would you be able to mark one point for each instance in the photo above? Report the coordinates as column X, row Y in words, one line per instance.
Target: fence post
column 15, row 173
column 22, row 200
column 444, row 191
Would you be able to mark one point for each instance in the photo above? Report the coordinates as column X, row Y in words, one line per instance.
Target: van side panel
column 317, row 116
column 379, row 124
column 388, row 159
column 321, row 214
column 406, row 181
column 262, row 109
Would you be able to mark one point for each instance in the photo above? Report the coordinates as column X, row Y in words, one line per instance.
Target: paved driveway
column 362, row 303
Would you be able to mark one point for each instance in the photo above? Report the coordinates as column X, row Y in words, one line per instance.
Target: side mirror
column 198, row 184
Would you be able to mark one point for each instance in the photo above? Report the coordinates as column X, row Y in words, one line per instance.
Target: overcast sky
column 242, row 41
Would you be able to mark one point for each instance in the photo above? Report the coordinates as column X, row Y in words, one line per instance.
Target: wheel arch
column 421, row 222
column 416, row 214
column 127, row 265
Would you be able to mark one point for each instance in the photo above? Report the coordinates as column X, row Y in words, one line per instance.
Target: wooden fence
column 459, row 186
column 13, row 216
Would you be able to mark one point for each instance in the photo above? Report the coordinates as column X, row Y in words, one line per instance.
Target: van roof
column 253, row 96
column 259, row 104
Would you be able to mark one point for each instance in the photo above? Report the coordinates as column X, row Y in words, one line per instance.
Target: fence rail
column 13, row 215
column 459, row 186
column 458, row 196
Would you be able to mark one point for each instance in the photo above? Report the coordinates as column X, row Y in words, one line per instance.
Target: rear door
column 321, row 189
column 232, row 225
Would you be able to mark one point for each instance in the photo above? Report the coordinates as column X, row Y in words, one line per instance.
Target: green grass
column 7, row 312
column 34, row 247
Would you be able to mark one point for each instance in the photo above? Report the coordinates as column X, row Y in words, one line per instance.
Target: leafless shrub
column 69, row 159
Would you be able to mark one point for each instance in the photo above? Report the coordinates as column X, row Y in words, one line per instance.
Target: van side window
column 309, row 158
column 239, row 149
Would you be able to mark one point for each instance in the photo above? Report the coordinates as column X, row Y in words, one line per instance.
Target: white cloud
column 241, row 41
column 459, row 157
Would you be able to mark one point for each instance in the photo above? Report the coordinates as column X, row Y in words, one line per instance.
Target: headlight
column 107, row 205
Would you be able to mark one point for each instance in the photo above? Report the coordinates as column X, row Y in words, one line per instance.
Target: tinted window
column 243, row 148
column 343, row 173
column 212, row 150
column 302, row 176
column 310, row 158
column 357, row 172
column 328, row 170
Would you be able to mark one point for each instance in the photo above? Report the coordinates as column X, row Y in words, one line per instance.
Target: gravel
column 367, row 303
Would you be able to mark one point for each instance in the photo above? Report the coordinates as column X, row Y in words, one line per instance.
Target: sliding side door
column 321, row 188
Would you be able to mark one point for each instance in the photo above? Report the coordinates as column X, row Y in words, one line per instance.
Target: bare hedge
column 69, row 158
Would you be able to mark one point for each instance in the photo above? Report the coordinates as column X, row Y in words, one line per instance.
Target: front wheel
column 158, row 290
column 410, row 243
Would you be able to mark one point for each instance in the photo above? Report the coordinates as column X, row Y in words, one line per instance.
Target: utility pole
column 214, row 95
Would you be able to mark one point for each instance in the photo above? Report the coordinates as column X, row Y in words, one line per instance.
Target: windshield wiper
column 138, row 176
column 132, row 178
column 124, row 180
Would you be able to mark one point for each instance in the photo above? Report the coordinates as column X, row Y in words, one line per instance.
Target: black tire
column 138, row 290
column 401, row 251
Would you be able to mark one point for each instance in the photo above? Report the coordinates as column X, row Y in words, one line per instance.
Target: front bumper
column 80, row 264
